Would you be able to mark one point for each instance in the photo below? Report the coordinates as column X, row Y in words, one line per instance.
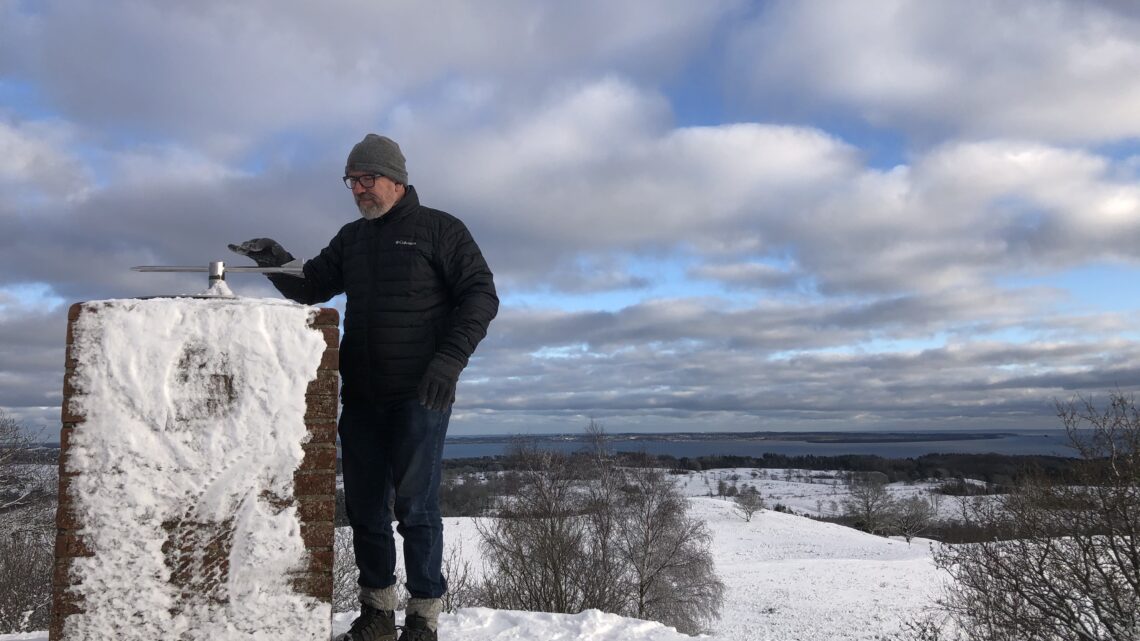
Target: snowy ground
column 789, row 578
column 808, row 492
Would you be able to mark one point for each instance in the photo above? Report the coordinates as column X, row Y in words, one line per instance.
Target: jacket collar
column 408, row 204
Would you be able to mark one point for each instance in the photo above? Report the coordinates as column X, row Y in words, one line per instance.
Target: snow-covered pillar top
column 197, row 471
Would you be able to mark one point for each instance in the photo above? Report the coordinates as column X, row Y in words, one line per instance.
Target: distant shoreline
column 792, row 437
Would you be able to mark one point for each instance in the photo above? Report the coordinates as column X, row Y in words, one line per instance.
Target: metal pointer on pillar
column 217, row 270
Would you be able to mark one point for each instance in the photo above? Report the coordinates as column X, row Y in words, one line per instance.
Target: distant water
column 1040, row 442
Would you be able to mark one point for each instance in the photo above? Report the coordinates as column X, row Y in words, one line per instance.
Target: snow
column 813, row 492
column 788, row 578
column 482, row 624
column 218, row 288
column 160, row 465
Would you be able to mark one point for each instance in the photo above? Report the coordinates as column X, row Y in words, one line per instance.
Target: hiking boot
column 372, row 625
column 416, row 629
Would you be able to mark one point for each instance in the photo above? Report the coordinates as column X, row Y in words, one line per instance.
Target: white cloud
column 38, row 164
column 155, row 167
column 809, row 277
column 226, row 74
column 33, row 326
column 1053, row 70
column 599, row 168
column 683, row 361
column 749, row 275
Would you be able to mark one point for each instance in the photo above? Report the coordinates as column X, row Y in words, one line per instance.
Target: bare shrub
column 667, row 551
column 913, row 516
column 25, row 582
column 535, row 548
column 27, row 483
column 346, row 591
column 1064, row 560
column 462, row 591
column 607, row 589
column 27, row 529
column 584, row 533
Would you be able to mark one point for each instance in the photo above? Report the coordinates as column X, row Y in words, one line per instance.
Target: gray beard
column 371, row 210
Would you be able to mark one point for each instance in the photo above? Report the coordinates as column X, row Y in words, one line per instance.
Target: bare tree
column 1064, row 563
column 748, row 502
column 535, row 548
column 27, row 529
column 722, row 487
column 583, row 533
column 462, row 592
column 27, row 490
column 869, row 502
column 672, row 570
column 607, row 588
column 913, row 516
column 25, row 582
column 346, row 591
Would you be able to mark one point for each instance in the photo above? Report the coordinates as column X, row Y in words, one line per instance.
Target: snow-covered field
column 809, row 492
column 788, row 578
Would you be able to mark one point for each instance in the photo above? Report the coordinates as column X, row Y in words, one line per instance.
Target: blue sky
column 722, row 215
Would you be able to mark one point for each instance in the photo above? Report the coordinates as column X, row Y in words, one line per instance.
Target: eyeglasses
column 366, row 181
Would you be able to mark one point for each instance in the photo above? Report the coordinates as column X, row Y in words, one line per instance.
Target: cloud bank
column 687, row 206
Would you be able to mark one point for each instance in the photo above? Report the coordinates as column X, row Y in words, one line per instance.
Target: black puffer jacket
column 416, row 284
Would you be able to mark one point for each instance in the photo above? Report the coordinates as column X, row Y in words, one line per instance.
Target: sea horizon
column 885, row 443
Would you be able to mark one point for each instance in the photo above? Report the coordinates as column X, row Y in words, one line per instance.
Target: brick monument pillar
column 197, row 471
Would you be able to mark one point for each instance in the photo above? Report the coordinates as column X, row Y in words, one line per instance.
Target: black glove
column 437, row 389
column 266, row 252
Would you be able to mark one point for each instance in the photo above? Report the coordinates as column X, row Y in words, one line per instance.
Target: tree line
column 993, row 469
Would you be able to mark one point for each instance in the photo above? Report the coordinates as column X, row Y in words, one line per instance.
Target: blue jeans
column 392, row 461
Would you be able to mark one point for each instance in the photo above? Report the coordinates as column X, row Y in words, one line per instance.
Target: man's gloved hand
column 437, row 389
column 266, row 252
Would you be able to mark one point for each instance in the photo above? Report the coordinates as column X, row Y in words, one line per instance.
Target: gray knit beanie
column 379, row 155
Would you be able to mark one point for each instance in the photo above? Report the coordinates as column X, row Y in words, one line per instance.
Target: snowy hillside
column 789, row 578
column 810, row 492
column 793, row 579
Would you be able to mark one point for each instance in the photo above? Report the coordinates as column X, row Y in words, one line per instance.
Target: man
column 419, row 299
